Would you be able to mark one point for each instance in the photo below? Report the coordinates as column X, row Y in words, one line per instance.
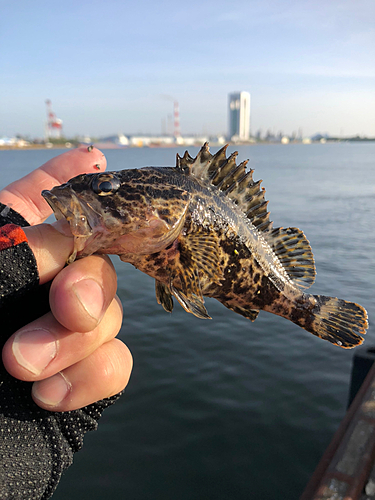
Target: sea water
column 226, row 409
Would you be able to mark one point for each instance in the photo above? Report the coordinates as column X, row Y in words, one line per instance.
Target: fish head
column 126, row 212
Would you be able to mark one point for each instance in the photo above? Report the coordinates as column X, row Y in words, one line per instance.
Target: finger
column 24, row 195
column 44, row 347
column 81, row 293
column 51, row 245
column 109, row 366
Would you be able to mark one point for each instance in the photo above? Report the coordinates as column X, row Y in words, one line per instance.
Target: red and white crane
column 54, row 124
column 176, row 116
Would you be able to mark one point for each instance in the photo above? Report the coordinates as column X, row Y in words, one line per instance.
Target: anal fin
column 250, row 314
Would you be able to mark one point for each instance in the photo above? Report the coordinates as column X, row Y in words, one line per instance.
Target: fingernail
column 91, row 296
column 34, row 349
column 53, row 390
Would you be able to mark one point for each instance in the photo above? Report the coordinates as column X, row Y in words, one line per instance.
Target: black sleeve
column 35, row 445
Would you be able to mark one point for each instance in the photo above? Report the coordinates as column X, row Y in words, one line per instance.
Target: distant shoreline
column 103, row 145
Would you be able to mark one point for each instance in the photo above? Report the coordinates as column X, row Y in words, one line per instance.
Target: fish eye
column 105, row 184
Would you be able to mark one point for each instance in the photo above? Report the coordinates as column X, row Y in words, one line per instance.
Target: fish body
column 202, row 229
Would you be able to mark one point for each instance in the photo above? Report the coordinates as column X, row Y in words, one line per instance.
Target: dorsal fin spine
column 257, row 207
column 220, row 157
column 218, row 175
column 231, row 179
column 218, row 172
column 246, row 180
column 239, row 187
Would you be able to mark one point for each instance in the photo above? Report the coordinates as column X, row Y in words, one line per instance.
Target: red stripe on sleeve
column 11, row 235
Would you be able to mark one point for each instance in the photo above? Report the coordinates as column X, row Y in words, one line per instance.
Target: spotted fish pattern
column 202, row 228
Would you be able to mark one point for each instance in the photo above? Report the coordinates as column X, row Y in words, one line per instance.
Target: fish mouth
column 58, row 208
column 86, row 223
column 66, row 205
column 80, row 216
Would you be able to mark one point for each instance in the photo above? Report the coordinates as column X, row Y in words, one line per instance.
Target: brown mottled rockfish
column 202, row 229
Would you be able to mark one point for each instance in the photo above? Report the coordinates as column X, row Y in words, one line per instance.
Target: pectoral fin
column 197, row 258
column 201, row 249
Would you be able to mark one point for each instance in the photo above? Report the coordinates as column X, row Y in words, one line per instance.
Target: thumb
column 51, row 245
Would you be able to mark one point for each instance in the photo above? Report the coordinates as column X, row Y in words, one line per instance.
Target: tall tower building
column 239, row 115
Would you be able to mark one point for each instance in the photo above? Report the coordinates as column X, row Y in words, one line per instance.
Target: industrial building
column 239, row 116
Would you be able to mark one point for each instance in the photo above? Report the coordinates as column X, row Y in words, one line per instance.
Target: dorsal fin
column 294, row 252
column 230, row 178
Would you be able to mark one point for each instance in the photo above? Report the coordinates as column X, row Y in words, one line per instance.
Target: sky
column 117, row 66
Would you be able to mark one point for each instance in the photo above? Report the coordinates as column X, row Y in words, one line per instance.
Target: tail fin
column 338, row 321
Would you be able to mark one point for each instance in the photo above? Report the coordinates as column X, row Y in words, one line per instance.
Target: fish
column 203, row 229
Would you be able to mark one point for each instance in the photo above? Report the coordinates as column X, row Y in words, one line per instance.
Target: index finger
column 24, row 195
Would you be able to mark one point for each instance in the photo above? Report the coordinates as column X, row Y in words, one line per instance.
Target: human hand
column 71, row 354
